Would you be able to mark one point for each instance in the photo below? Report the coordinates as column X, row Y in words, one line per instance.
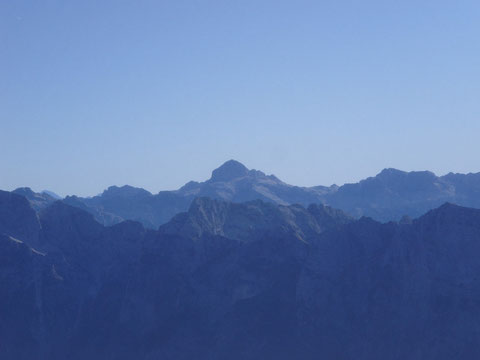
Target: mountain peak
column 230, row 170
column 25, row 191
column 125, row 191
column 452, row 214
column 390, row 172
column 37, row 200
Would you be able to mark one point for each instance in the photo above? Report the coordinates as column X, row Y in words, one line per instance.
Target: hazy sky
column 156, row 93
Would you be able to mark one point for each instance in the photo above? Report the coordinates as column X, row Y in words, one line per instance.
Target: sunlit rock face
column 254, row 280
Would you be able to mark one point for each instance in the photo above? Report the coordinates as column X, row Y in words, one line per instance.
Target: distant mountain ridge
column 232, row 182
column 393, row 193
column 387, row 196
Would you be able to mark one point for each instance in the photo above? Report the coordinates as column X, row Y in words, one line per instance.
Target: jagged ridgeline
column 226, row 280
column 388, row 196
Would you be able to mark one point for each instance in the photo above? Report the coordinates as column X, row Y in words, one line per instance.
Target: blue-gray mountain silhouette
column 388, row 196
column 251, row 280
column 232, row 181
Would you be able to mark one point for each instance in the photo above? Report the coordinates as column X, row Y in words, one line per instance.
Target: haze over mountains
column 387, row 196
column 99, row 98
column 253, row 280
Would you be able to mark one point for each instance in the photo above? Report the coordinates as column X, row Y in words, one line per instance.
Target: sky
column 157, row 93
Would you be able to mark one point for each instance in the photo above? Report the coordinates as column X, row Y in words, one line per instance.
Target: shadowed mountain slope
column 239, row 281
column 18, row 218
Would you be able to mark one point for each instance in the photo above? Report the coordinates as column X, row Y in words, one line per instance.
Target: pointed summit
column 230, row 170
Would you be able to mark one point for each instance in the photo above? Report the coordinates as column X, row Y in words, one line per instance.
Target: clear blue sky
column 156, row 93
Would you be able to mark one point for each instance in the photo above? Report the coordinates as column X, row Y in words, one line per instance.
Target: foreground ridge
column 250, row 280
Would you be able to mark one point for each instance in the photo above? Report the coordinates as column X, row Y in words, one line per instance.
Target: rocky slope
column 239, row 281
column 37, row 200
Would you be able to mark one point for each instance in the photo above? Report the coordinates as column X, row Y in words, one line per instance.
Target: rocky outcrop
column 38, row 201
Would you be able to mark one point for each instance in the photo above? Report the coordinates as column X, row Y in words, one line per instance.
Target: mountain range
column 250, row 280
column 388, row 196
